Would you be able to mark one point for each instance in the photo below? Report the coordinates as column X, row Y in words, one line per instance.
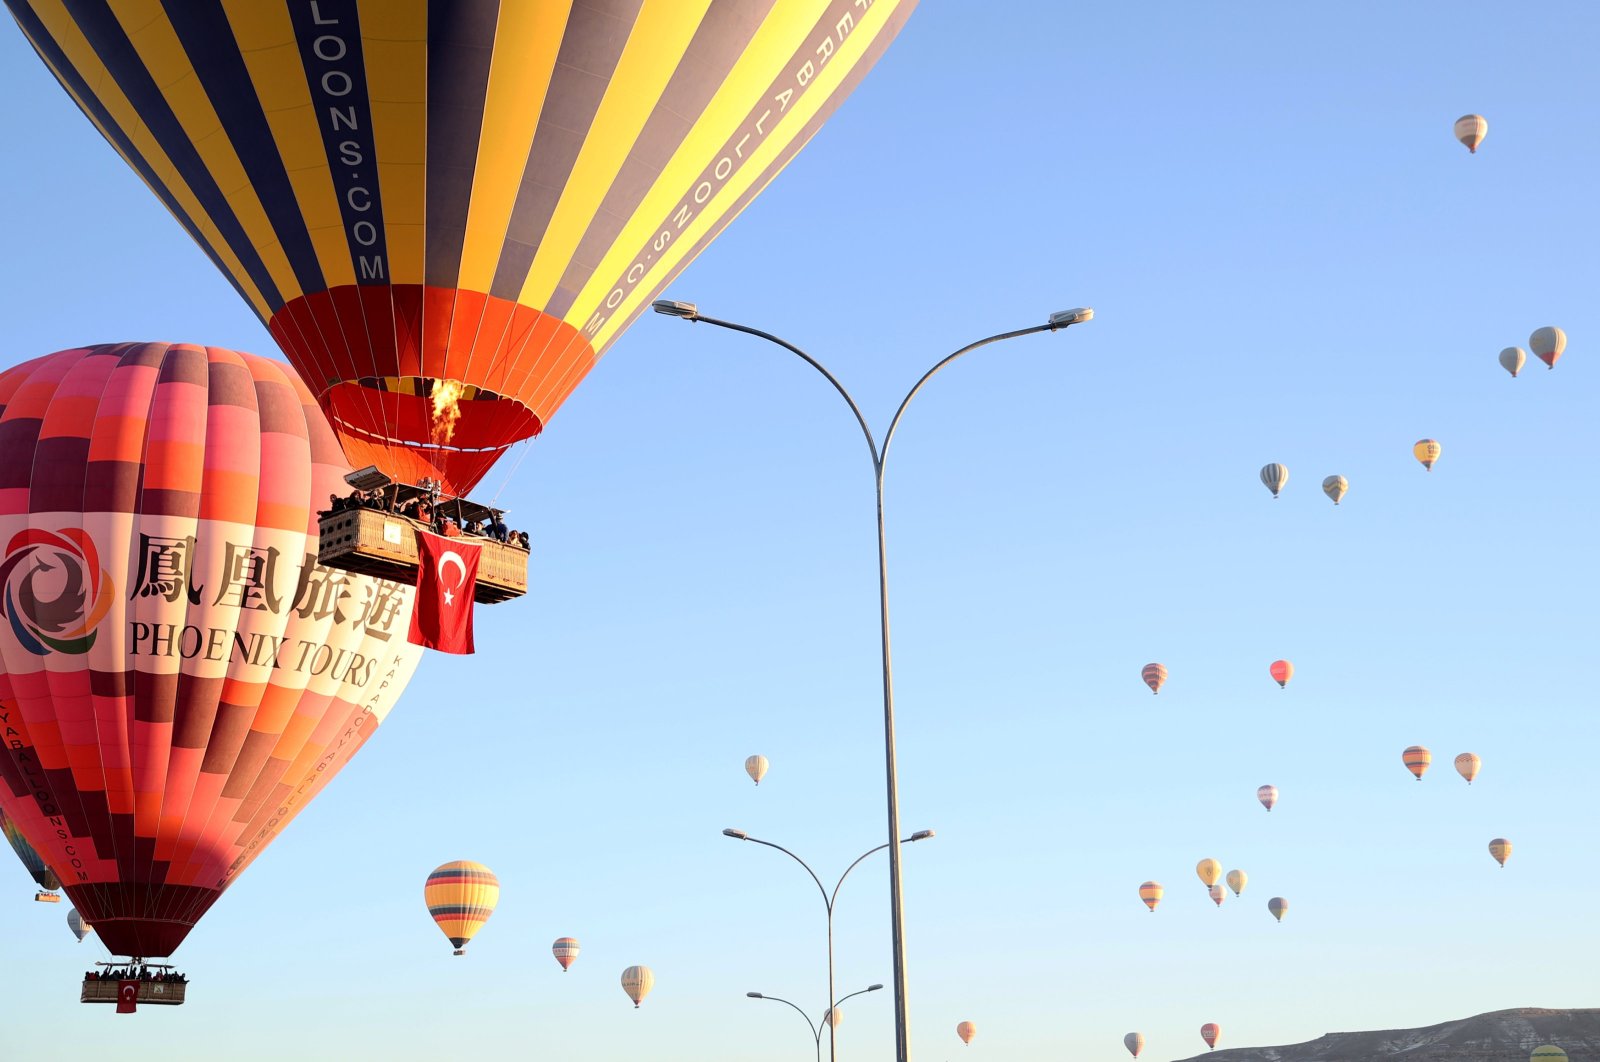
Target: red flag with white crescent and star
column 127, row 997
column 447, row 572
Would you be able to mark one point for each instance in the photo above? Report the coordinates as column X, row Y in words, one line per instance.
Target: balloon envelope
column 181, row 675
column 565, row 949
column 1548, row 1053
column 1237, row 880
column 42, row 875
column 1512, row 359
column 1427, row 451
column 1151, row 892
column 439, row 206
column 1470, row 129
column 1282, row 671
column 1548, row 344
column 1209, row 870
column 1500, row 848
column 637, row 981
column 1335, row 487
column 1155, row 676
column 756, row 768
column 79, row 927
column 1467, row 765
column 1211, row 1032
column 1417, row 759
column 1274, row 476
column 1218, row 894
column 1134, row 1042
column 1268, row 795
column 461, row 896
column 1277, row 905
column 966, row 1030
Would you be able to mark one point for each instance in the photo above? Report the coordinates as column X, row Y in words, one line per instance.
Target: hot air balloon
column 461, row 895
column 1218, row 894
column 1282, row 671
column 1417, row 760
column 1427, row 451
column 1155, row 676
column 565, row 950
column 79, row 927
column 1548, row 1053
column 1268, row 795
column 966, row 1030
column 1470, row 129
column 1211, row 1032
column 1500, row 848
column 1512, row 359
column 833, row 1016
column 637, row 981
column 1134, row 1042
column 1151, row 892
column 1467, row 765
column 1274, row 476
column 756, row 768
column 178, row 675
column 1237, row 879
column 1277, row 905
column 1335, row 487
column 445, row 213
column 42, row 875
column 1209, row 870
column 1548, row 344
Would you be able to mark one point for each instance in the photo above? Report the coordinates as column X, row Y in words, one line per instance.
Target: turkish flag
column 447, row 571
column 127, row 997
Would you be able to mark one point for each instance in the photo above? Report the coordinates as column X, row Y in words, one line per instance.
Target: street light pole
column 828, row 901
column 688, row 311
column 828, row 1017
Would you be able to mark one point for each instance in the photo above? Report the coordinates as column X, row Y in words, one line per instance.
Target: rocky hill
column 1499, row 1036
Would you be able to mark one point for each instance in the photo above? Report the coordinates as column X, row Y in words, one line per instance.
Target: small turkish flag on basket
column 127, row 997
column 447, row 572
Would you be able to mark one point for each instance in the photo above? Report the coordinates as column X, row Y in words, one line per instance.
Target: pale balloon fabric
column 1470, row 129
column 1237, row 880
column 1275, row 476
column 1512, row 359
column 1467, row 765
column 637, row 981
column 1209, row 870
column 1548, row 344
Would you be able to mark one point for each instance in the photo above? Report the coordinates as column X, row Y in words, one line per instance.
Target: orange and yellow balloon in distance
column 1500, row 848
column 445, row 211
column 1218, row 894
column 1134, row 1042
column 637, row 981
column 1470, row 129
column 967, row 1030
column 175, row 667
column 1151, row 892
column 1282, row 671
column 1417, row 760
column 756, row 768
column 1548, row 344
column 1209, row 871
column 1155, row 676
column 1211, row 1032
column 1467, row 765
column 461, row 896
column 1277, row 906
column 565, row 949
column 1427, row 451
column 1268, row 795
column 1237, row 880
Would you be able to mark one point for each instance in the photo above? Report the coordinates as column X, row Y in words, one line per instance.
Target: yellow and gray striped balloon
column 1274, row 476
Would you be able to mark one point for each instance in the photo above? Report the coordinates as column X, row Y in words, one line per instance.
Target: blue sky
column 1291, row 260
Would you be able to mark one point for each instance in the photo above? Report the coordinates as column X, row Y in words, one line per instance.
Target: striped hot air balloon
column 1209, row 871
column 1275, row 476
column 756, row 768
column 1268, row 795
column 637, row 981
column 1427, row 451
column 1470, row 129
column 79, row 927
column 565, row 949
column 967, row 1030
column 1151, row 892
column 446, row 211
column 1211, row 1032
column 1155, row 676
column 1335, row 487
column 1134, row 1042
column 1548, row 344
column 1282, row 671
column 1500, row 848
column 461, row 896
column 1467, row 765
column 1417, row 760
column 1277, row 906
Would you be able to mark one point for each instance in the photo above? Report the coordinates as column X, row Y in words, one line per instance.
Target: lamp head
column 755, row 995
column 1061, row 318
column 738, row 835
column 922, row 835
column 873, row 988
column 673, row 308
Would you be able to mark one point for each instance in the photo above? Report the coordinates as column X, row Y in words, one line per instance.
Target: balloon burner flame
column 446, row 410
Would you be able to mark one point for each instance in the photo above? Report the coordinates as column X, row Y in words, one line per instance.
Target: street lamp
column 689, row 311
column 827, row 899
column 828, row 1016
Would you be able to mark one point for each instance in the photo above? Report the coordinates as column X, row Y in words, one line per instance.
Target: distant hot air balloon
column 188, row 677
column 1427, row 451
column 461, row 896
column 79, row 927
column 445, row 213
column 966, row 1030
column 1277, row 905
column 1548, row 1053
column 1417, row 760
column 1282, row 671
column 1512, row 359
column 1268, row 795
column 1154, row 675
column 1211, row 1032
column 756, row 768
column 1335, row 487
column 1134, row 1042
column 833, row 1016
column 1209, row 870
column 42, row 875
column 637, row 981
column 1500, row 848
column 1218, row 894
column 1548, row 344
column 565, row 949
column 1274, row 476
column 1151, row 892
column 1470, row 129
column 1467, row 765
column 1237, row 879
